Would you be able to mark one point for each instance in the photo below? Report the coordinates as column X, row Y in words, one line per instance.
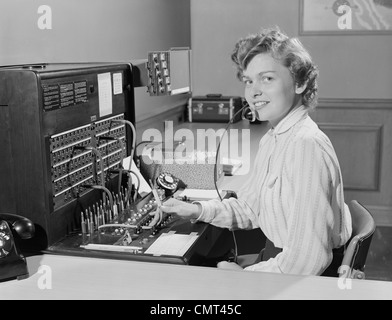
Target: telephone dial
column 13, row 228
column 169, row 183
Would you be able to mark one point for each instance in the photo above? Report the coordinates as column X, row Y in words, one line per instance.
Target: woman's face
column 270, row 89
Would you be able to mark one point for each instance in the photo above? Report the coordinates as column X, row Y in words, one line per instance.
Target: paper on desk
column 144, row 186
column 172, row 244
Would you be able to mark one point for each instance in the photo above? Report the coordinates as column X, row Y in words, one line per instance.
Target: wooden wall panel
column 358, row 147
column 361, row 132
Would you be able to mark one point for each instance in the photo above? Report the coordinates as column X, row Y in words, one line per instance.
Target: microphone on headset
column 247, row 112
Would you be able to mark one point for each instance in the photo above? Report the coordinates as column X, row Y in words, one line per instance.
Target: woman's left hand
column 228, row 265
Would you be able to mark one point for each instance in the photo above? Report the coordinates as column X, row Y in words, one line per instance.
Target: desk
column 94, row 278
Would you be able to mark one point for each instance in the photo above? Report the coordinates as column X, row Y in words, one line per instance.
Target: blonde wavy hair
column 288, row 51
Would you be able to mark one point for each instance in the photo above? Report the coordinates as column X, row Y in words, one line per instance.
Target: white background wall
column 354, row 66
column 96, row 30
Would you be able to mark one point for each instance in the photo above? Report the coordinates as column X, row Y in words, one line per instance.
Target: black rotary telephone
column 13, row 229
column 169, row 183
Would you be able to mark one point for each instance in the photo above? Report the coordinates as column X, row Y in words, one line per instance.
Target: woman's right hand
column 183, row 209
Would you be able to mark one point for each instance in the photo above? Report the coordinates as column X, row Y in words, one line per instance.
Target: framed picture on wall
column 333, row 17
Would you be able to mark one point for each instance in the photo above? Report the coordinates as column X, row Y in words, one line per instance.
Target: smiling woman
column 270, row 89
column 295, row 195
column 274, row 56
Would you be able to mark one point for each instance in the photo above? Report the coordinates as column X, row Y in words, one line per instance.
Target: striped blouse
column 295, row 197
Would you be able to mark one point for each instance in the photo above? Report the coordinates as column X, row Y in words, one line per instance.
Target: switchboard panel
column 65, row 131
column 65, row 128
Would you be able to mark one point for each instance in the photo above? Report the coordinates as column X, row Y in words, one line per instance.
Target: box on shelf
column 214, row 108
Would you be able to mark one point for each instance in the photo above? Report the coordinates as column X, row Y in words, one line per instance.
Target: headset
column 246, row 114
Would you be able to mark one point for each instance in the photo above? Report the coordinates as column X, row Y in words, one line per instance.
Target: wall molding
column 354, row 103
column 351, row 131
column 362, row 130
column 382, row 215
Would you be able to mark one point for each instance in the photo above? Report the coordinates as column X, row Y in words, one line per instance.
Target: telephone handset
column 12, row 229
column 169, row 183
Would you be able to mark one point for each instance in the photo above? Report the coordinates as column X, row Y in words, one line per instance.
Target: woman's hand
column 182, row 209
column 228, row 265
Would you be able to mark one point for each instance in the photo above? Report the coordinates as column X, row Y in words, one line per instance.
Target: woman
column 296, row 194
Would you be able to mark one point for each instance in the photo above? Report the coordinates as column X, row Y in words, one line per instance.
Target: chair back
column 357, row 248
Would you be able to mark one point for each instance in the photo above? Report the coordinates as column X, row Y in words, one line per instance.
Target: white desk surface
column 80, row 278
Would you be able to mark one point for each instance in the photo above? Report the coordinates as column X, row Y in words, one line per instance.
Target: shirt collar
column 290, row 120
